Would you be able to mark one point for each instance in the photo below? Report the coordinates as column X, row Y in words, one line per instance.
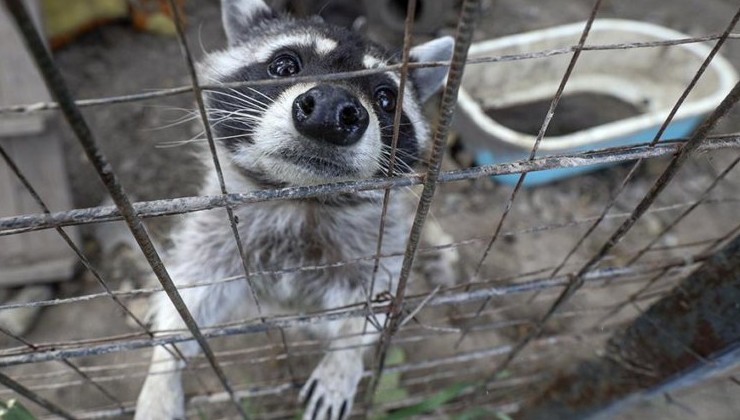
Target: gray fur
column 428, row 79
column 283, row 234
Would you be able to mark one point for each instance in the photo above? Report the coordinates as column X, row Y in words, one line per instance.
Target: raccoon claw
column 330, row 391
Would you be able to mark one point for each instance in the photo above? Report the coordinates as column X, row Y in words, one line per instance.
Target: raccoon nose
column 331, row 114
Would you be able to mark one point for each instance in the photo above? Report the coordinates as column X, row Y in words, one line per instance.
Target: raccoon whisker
column 249, row 119
column 251, row 102
column 200, row 39
column 238, row 114
column 391, row 125
column 396, row 170
column 399, row 166
column 178, row 143
column 241, row 129
column 243, row 97
column 220, row 114
column 241, row 115
column 174, row 143
column 242, row 94
column 223, row 121
column 242, row 108
column 198, row 138
column 235, row 136
column 177, row 122
column 386, row 151
column 214, row 122
column 381, row 163
column 172, row 108
column 411, row 191
column 188, row 114
column 261, row 94
column 388, row 148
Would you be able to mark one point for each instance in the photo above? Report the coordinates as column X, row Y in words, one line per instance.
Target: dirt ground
column 115, row 60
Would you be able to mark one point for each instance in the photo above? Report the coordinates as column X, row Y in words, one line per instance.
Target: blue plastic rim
column 677, row 129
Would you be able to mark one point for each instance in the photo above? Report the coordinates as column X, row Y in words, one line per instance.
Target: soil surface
column 150, row 149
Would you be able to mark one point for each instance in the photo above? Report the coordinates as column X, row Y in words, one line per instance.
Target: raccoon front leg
column 330, row 391
column 439, row 267
column 162, row 395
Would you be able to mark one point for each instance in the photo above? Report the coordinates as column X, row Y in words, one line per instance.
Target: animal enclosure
column 611, row 293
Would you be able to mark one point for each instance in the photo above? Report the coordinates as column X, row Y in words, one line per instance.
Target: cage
column 613, row 293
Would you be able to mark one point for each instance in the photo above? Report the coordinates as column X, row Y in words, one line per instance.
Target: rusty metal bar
column 463, row 39
column 643, row 360
column 160, row 93
column 468, row 242
column 22, row 390
column 686, row 212
column 116, row 344
column 540, row 135
column 83, row 259
column 169, row 207
column 58, row 89
column 533, row 153
column 198, row 93
column 405, row 59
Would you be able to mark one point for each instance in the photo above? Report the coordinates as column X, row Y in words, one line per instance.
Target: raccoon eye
column 386, row 99
column 284, row 65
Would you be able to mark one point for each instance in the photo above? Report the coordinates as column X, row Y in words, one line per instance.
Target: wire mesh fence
column 545, row 280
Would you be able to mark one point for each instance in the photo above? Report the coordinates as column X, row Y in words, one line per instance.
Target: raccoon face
column 306, row 133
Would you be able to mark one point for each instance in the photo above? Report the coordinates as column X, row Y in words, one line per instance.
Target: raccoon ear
column 428, row 80
column 239, row 15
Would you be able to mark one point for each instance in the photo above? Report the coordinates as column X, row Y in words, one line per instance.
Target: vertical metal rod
column 198, row 94
column 463, row 39
column 58, row 89
column 543, row 129
column 405, row 58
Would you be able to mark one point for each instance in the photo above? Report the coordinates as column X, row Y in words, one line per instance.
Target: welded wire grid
column 478, row 339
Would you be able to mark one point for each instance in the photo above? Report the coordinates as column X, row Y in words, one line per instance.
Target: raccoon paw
column 440, row 268
column 330, row 391
column 160, row 407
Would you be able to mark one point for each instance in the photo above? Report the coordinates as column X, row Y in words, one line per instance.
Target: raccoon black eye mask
column 288, row 135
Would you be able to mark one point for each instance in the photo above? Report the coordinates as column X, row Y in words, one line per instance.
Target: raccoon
column 298, row 134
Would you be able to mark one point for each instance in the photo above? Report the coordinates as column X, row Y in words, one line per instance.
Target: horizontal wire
column 169, row 207
column 454, row 245
column 161, row 93
column 55, row 353
column 278, row 389
column 310, row 343
column 145, row 291
column 645, row 270
column 53, row 380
